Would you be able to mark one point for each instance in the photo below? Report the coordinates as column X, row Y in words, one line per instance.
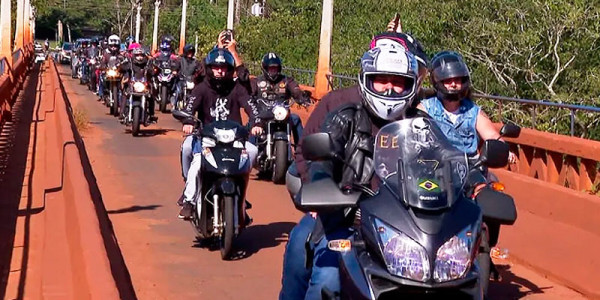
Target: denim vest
column 463, row 133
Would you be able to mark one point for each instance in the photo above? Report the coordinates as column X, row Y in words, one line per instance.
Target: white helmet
column 114, row 40
column 392, row 61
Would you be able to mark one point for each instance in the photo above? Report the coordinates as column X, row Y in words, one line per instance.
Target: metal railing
column 571, row 107
column 341, row 81
column 302, row 76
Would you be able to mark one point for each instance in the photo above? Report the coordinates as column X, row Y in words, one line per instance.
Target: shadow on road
column 150, row 132
column 133, row 209
column 257, row 237
column 16, row 135
column 511, row 286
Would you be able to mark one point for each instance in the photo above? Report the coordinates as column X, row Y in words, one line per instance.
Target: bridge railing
column 12, row 73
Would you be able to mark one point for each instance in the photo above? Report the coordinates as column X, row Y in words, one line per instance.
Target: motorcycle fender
column 280, row 136
column 353, row 278
column 227, row 186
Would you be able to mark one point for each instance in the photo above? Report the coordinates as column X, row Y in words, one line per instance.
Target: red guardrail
column 12, row 75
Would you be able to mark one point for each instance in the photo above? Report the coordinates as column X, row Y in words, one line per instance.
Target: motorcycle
column 186, row 90
column 419, row 234
column 111, row 99
column 84, row 71
column 137, row 113
column 274, row 155
column 220, row 210
column 164, row 84
column 93, row 66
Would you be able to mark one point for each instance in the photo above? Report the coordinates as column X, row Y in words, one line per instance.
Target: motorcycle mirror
column 510, row 130
column 497, row 207
column 317, row 146
column 494, row 154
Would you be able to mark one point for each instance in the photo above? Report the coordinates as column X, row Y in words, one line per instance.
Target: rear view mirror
column 510, row 130
column 497, row 207
column 324, row 195
column 494, row 154
column 317, row 146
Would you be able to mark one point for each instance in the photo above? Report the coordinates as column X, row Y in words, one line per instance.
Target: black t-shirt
column 213, row 106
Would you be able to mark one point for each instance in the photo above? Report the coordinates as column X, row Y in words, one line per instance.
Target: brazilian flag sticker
column 429, row 185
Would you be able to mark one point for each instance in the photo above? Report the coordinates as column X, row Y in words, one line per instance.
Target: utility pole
column 131, row 18
column 69, row 32
column 196, row 43
column 155, row 31
column 323, row 68
column 5, row 30
column 137, row 22
column 60, row 31
column 230, row 8
column 183, row 19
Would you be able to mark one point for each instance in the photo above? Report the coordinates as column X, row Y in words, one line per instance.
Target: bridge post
column 19, row 28
column 26, row 22
column 182, row 33
column 5, row 27
column 324, row 64
column 155, row 31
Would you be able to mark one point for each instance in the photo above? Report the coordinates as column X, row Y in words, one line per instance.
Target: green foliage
column 537, row 49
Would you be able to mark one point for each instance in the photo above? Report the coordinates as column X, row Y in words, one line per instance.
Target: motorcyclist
column 461, row 120
column 387, row 91
column 137, row 67
column 112, row 57
column 190, row 69
column 272, row 85
column 94, row 52
column 219, row 97
column 165, row 54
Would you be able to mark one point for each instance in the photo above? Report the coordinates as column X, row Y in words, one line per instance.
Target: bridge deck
column 139, row 180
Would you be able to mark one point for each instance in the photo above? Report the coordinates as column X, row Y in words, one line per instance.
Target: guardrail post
column 19, row 28
column 5, row 27
column 324, row 68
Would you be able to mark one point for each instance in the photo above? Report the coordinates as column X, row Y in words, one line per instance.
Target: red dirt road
column 140, row 180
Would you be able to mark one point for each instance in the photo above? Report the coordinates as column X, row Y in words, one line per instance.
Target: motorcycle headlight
column 454, row 257
column 403, row 256
column 111, row 73
column 139, row 87
column 190, row 85
column 92, row 61
column 280, row 113
column 225, row 136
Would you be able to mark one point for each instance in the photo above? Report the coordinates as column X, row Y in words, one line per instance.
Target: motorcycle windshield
column 416, row 162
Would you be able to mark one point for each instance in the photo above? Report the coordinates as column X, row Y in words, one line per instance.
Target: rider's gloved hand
column 256, row 130
column 208, row 142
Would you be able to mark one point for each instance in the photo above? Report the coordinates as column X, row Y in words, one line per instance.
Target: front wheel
column 164, row 98
column 114, row 108
column 135, row 124
column 228, row 233
column 281, row 161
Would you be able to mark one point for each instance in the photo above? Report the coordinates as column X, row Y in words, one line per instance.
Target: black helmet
column 271, row 60
column 187, row 49
column 445, row 65
column 220, row 57
column 94, row 41
column 166, row 43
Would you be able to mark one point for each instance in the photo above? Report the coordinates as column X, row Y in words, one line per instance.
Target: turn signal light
column 497, row 186
column 339, row 245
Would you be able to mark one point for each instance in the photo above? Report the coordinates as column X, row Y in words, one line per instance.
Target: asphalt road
column 140, row 180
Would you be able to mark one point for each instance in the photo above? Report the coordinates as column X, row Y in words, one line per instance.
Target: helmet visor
column 389, row 86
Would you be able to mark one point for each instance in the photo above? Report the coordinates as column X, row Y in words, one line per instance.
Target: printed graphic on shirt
column 220, row 112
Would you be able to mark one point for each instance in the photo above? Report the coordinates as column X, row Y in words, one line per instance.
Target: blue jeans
column 295, row 277
column 326, row 266
column 297, row 281
column 297, row 128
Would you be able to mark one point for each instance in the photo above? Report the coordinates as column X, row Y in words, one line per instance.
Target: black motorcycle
column 163, row 84
column 112, row 80
column 93, row 66
column 85, row 70
column 274, row 155
column 137, row 105
column 220, row 213
column 419, row 234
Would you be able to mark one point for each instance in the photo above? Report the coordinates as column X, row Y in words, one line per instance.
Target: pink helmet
column 134, row 46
